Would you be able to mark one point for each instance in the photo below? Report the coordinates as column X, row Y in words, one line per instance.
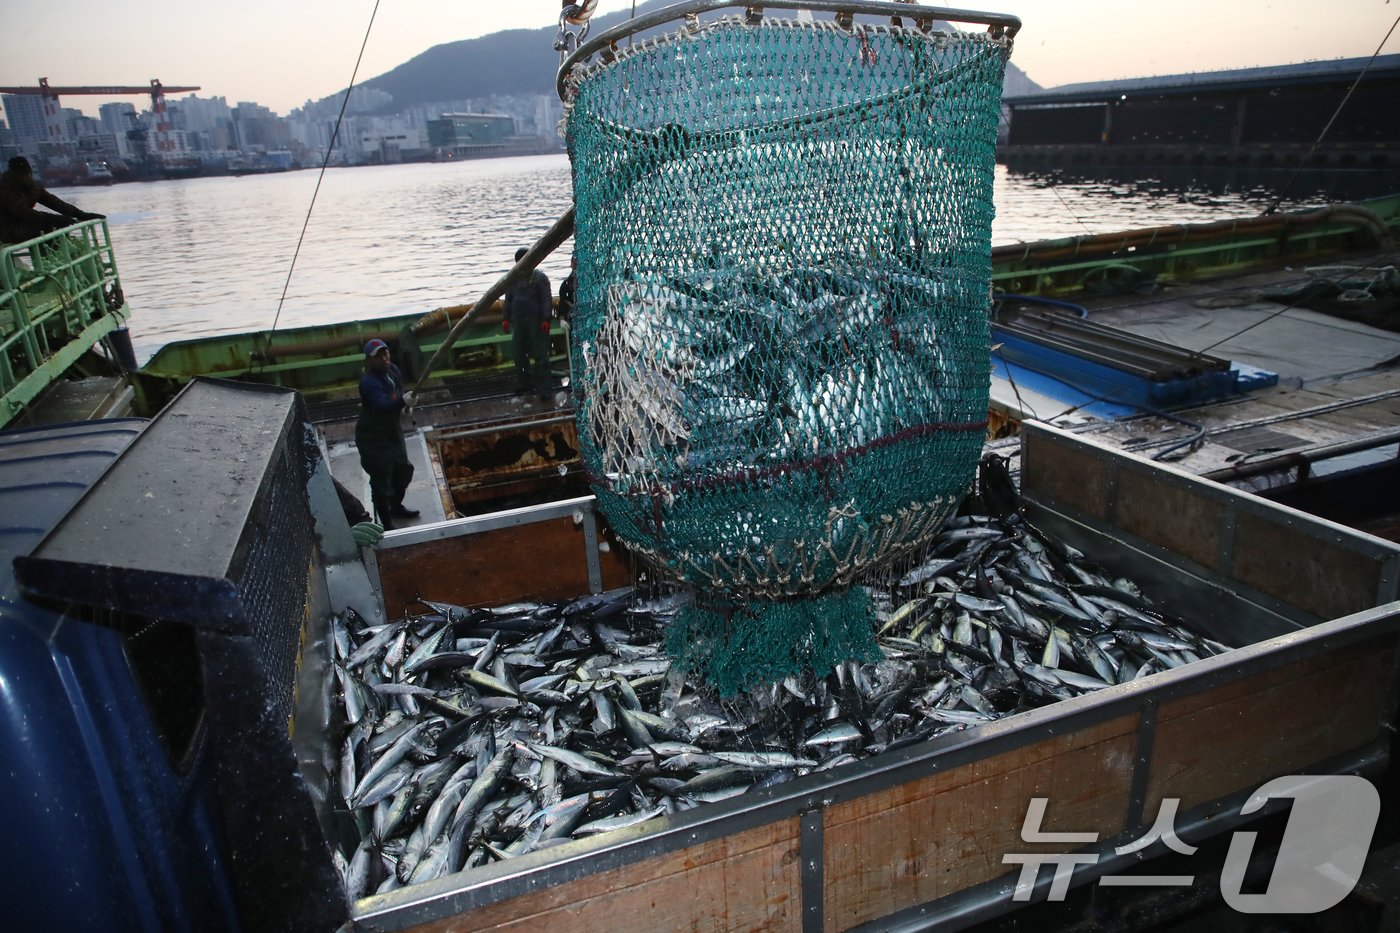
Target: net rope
column 781, row 334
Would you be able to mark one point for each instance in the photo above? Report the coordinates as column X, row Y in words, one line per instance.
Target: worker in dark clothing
column 19, row 192
column 379, row 436
column 568, row 291
column 568, row 300
column 527, row 310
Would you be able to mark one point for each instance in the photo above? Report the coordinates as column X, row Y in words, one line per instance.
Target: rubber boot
column 383, row 514
column 399, row 510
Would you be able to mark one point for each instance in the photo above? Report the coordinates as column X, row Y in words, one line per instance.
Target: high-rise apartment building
column 255, row 127
column 74, row 124
column 201, row 115
column 117, row 119
column 26, row 115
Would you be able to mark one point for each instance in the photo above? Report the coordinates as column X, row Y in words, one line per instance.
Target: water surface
column 209, row 256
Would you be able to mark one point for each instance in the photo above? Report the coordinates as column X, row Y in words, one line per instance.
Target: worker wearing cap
column 379, row 436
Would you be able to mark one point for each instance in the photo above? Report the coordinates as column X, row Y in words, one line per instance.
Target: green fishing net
column 781, row 337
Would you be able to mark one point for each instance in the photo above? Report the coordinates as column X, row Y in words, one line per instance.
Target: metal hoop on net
column 1000, row 26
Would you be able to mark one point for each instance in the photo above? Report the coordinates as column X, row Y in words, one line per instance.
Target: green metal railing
column 59, row 295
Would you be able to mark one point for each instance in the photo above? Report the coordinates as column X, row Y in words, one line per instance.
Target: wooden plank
column 936, row 835
column 1237, row 736
column 537, row 562
column 745, row 881
column 1317, row 576
column 449, row 509
column 1179, row 519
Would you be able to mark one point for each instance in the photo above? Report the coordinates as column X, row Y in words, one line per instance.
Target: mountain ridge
column 511, row 62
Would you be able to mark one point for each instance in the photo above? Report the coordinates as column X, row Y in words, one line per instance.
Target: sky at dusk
column 280, row 54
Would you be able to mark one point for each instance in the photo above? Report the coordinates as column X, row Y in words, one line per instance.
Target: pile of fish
column 473, row 735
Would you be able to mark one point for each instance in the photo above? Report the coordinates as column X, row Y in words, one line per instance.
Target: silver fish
column 376, row 644
column 386, row 762
column 763, row 760
column 608, row 824
column 580, row 763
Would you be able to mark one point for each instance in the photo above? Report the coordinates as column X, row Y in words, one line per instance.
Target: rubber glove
column 87, row 215
column 505, row 325
column 410, row 399
column 366, row 534
column 544, row 326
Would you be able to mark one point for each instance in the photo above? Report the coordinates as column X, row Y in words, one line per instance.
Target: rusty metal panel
column 937, row 835
column 1175, row 517
column 1240, row 734
column 537, row 562
column 1322, row 577
column 744, row 881
column 1065, row 474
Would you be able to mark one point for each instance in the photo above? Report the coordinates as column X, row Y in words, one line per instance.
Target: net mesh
column 781, row 339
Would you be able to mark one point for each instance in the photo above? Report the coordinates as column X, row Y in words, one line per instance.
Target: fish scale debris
column 474, row 735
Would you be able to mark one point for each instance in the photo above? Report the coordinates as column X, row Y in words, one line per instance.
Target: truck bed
column 917, row 837
column 253, row 560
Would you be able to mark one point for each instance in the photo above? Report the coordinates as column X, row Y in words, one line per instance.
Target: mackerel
column 580, row 763
column 387, row 761
column 464, row 818
column 372, row 647
column 608, row 824
column 763, row 760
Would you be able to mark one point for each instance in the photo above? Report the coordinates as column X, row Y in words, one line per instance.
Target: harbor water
column 206, row 256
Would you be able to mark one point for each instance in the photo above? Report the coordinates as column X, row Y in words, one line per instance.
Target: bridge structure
column 1261, row 117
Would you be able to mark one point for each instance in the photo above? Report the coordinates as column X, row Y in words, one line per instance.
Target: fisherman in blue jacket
column 528, row 307
column 379, row 436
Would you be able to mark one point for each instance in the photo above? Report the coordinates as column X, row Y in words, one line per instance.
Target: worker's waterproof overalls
column 379, row 438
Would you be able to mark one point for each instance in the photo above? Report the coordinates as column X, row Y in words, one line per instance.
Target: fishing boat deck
column 463, row 405
column 1336, row 405
column 1271, row 424
column 82, row 399
column 1337, row 391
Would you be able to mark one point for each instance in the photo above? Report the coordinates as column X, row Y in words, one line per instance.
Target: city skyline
column 281, row 56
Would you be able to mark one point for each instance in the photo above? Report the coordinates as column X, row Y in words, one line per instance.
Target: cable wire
column 1068, row 209
column 1336, row 113
column 330, row 147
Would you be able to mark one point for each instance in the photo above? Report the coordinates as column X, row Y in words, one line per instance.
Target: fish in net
column 781, row 333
